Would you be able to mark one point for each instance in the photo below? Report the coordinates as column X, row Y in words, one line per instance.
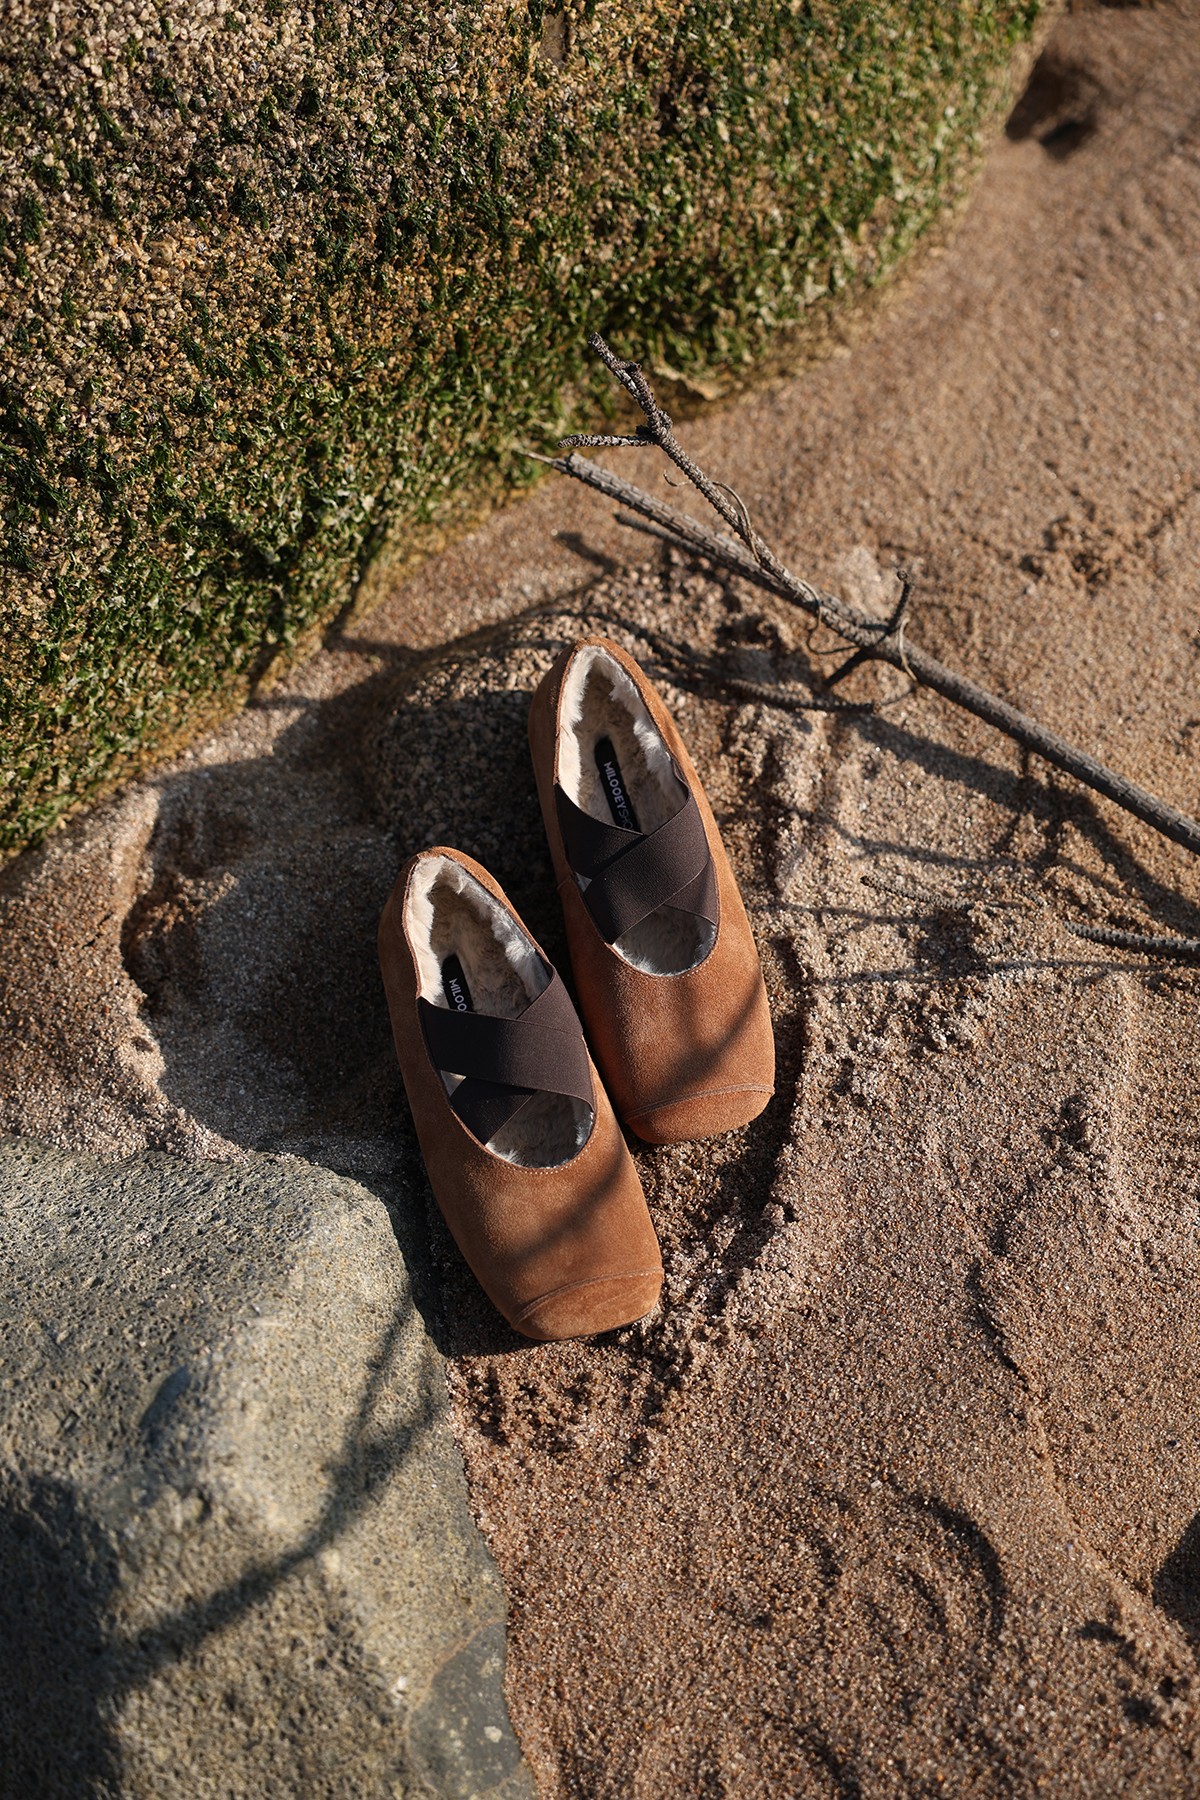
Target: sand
column 899, row 1491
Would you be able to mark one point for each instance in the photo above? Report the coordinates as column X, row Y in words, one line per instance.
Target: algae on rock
column 281, row 285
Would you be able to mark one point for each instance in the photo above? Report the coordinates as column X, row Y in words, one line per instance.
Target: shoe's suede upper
column 561, row 1252
column 684, row 1055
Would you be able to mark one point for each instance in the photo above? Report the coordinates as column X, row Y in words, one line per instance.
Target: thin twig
column 753, row 559
column 891, row 627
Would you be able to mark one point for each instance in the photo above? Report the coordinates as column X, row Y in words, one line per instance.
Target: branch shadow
column 356, row 1476
column 1020, row 793
column 1054, row 805
column 60, row 1576
column 65, row 1674
column 1176, row 1586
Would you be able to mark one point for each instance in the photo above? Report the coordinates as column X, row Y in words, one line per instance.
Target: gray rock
column 238, row 1554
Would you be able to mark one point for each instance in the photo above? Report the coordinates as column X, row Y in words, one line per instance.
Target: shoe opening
column 613, row 763
column 473, row 955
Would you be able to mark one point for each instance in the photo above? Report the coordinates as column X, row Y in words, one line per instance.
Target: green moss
column 286, row 285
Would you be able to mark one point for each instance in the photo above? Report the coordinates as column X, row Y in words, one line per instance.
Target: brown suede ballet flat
column 664, row 961
column 524, row 1155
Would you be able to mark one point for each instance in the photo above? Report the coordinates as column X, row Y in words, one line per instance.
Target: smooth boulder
column 238, row 1553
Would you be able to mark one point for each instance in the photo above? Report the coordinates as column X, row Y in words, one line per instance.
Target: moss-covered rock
column 282, row 284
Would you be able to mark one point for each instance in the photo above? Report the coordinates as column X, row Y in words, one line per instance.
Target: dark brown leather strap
column 630, row 874
column 504, row 1062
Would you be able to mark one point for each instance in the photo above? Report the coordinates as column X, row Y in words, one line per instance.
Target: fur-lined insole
column 473, row 956
column 614, row 765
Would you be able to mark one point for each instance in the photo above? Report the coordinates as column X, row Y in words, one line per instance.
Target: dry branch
column 746, row 554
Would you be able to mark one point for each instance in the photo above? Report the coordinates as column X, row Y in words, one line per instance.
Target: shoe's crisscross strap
column 505, row 1062
column 630, row 874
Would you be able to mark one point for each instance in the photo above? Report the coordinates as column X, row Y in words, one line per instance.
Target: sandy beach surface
column 898, row 1493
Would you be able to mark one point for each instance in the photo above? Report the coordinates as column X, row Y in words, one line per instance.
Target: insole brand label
column 454, row 986
column 619, row 803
